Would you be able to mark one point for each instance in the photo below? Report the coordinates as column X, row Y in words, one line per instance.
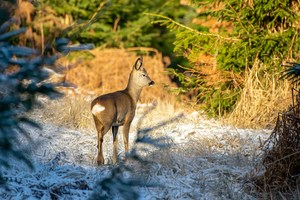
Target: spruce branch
column 77, row 28
column 166, row 20
column 239, row 19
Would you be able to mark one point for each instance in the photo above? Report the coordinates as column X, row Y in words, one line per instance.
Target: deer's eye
column 144, row 75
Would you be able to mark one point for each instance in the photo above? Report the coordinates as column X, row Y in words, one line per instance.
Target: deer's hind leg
column 101, row 131
column 115, row 139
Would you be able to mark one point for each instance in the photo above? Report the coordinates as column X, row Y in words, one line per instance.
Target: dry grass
column 263, row 97
column 69, row 111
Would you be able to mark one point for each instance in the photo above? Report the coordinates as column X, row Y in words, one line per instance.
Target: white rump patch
column 97, row 108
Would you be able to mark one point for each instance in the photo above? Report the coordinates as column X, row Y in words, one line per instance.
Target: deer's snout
column 151, row 83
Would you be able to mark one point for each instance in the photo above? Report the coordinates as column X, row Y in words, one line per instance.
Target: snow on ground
column 206, row 160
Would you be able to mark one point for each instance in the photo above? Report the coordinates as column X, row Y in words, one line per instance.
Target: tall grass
column 263, row 97
column 70, row 111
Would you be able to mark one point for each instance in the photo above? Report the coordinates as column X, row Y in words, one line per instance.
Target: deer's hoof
column 100, row 162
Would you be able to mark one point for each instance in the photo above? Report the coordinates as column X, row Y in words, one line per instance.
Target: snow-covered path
column 206, row 160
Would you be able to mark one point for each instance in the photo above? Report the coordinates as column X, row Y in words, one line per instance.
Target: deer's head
column 139, row 74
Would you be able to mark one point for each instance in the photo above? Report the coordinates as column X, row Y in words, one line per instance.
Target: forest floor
column 202, row 159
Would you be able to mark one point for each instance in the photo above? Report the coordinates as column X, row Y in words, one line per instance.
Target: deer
column 117, row 109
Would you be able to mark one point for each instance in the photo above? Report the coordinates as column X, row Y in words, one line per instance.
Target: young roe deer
column 118, row 108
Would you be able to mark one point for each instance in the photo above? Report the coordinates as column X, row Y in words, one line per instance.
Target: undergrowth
column 277, row 175
column 221, row 59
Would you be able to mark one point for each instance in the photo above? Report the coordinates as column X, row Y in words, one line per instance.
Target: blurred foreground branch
column 22, row 79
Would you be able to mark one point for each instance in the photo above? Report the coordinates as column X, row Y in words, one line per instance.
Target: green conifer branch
column 175, row 23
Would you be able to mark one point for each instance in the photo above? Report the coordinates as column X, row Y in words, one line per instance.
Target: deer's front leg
column 126, row 135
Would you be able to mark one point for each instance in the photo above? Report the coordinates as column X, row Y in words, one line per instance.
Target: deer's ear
column 139, row 63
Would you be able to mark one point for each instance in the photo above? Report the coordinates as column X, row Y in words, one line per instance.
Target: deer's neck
column 133, row 90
